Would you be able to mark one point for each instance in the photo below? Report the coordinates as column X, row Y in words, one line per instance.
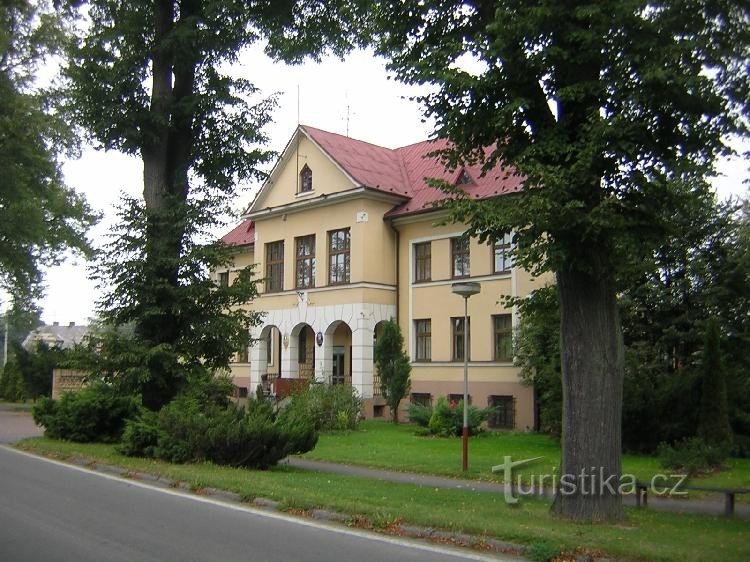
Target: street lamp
column 466, row 290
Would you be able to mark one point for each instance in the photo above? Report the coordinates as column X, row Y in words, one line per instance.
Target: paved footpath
column 16, row 424
column 705, row 506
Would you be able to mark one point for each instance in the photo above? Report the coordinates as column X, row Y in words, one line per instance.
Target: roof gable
column 402, row 171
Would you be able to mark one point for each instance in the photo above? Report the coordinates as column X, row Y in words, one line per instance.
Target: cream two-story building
column 345, row 235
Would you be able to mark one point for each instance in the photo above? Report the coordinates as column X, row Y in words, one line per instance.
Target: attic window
column 305, row 179
column 463, row 178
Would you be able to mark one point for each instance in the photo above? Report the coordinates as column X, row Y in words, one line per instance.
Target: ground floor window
column 456, row 398
column 421, row 398
column 504, row 415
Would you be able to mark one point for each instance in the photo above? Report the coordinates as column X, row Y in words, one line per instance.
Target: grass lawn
column 647, row 535
column 381, row 444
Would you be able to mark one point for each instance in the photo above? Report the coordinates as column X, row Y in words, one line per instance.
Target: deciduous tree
column 40, row 217
column 612, row 112
column 153, row 78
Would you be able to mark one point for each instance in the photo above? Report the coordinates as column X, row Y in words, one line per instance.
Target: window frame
column 334, row 254
column 501, row 332
column 500, row 249
column 305, row 180
column 224, row 278
column 460, row 252
column 271, row 265
column 422, row 263
column 506, row 418
column 423, row 340
column 308, row 281
column 455, row 332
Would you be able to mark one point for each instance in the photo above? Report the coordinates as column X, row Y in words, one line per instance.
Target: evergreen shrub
column 93, row 414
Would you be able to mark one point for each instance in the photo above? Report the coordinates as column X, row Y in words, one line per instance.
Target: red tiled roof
column 403, row 171
column 241, row 235
column 368, row 164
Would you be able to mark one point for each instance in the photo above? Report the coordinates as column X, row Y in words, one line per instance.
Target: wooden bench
column 641, row 495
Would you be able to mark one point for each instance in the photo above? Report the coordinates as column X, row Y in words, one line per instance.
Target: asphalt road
column 50, row 511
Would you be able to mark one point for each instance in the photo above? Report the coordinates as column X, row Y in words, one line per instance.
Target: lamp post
column 466, row 290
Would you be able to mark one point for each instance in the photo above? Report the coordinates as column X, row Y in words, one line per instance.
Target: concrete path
column 708, row 506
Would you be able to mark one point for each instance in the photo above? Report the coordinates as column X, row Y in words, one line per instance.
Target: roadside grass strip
column 392, row 507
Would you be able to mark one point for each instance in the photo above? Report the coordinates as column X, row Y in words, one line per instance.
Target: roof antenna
column 298, row 139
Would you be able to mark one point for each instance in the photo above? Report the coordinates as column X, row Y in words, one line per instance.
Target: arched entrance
column 338, row 339
column 302, row 352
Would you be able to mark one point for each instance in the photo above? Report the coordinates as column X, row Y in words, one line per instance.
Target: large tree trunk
column 166, row 159
column 592, row 376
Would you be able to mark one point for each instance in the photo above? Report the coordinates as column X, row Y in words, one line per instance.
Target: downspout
column 398, row 268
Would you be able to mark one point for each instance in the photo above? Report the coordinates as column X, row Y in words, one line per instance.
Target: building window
column 457, row 337
column 305, row 179
column 242, row 355
column 504, row 412
column 224, row 279
column 503, row 337
column 423, row 331
column 338, row 256
column 456, row 398
column 422, row 399
column 275, row 266
column 305, row 271
column 460, row 256
column 422, row 261
column 502, row 259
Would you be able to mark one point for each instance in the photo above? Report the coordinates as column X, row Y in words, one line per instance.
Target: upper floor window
column 457, row 338
column 423, row 331
column 460, row 256
column 339, row 256
column 305, row 179
column 224, row 279
column 423, row 261
column 275, row 266
column 502, row 259
column 503, row 337
column 305, row 258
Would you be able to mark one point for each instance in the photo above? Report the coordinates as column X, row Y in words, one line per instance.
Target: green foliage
column 12, row 387
column 692, row 456
column 603, row 116
column 420, row 414
column 202, row 328
column 537, row 349
column 189, row 430
column 543, row 551
column 40, row 217
column 713, row 420
column 36, row 367
column 393, row 366
column 94, row 414
column 446, row 419
column 328, row 407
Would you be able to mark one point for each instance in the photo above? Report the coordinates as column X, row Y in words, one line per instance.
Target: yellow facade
column 382, row 283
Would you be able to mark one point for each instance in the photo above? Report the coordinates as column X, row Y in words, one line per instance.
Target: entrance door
column 337, row 376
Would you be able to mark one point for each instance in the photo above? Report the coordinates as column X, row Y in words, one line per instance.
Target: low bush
column 329, row 407
column 420, row 414
column 446, row 418
column 94, row 414
column 692, row 455
column 190, row 430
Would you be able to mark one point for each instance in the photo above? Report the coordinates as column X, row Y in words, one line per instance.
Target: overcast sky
column 379, row 111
